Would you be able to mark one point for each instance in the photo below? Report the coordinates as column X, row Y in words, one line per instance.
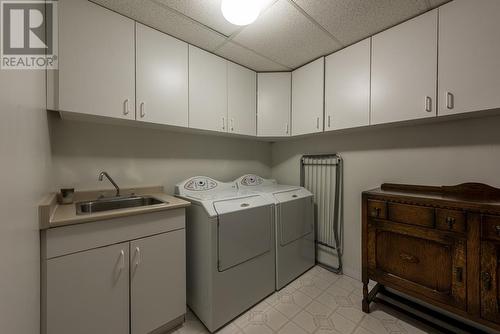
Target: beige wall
column 435, row 154
column 141, row 156
column 25, row 168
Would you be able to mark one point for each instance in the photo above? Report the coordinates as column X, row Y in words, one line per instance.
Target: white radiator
column 322, row 175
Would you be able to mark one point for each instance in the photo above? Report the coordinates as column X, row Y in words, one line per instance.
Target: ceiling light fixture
column 241, row 12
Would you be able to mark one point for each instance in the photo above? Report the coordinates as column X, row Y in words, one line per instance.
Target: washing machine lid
column 246, row 202
column 251, row 183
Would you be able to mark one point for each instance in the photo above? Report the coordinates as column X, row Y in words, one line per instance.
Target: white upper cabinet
column 469, row 56
column 273, row 104
column 207, row 91
column 347, row 87
column 161, row 78
column 404, row 70
column 96, row 61
column 308, row 98
column 241, row 100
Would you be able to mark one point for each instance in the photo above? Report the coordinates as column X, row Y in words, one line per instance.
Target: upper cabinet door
column 241, row 100
column 308, row 98
column 273, row 104
column 347, row 87
column 96, row 60
column 162, row 78
column 404, row 70
column 469, row 56
column 207, row 91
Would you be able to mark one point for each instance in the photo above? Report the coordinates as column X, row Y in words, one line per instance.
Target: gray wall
column 142, row 156
column 25, row 170
column 434, row 154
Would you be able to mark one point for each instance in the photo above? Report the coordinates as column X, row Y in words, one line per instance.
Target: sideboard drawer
column 490, row 228
column 411, row 214
column 451, row 220
column 377, row 209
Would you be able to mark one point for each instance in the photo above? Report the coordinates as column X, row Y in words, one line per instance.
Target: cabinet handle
column 286, row 128
column 428, row 104
column 459, row 274
column 450, row 221
column 376, row 212
column 223, row 123
column 126, row 110
column 450, row 100
column 143, row 112
column 317, row 123
column 329, row 121
column 122, row 260
column 497, row 229
column 232, row 124
column 138, row 256
column 486, row 278
column 409, row 258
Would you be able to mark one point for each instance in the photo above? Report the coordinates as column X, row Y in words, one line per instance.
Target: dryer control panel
column 200, row 184
column 251, row 180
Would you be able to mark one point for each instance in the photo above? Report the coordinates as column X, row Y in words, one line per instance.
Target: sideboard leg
column 365, row 304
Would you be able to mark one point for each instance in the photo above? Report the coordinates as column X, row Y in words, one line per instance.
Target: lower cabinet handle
column 125, row 107
column 428, row 104
column 138, row 256
column 142, row 111
column 122, row 260
column 450, row 221
column 376, row 212
column 232, row 124
column 223, row 123
column 497, row 229
column 286, row 128
column 450, row 100
column 317, row 123
column 329, row 121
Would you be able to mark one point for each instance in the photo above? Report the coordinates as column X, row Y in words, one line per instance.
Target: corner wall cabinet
column 347, row 87
column 469, row 72
column 273, row 104
column 88, row 271
column 404, row 71
column 241, row 100
column 437, row 244
column 308, row 98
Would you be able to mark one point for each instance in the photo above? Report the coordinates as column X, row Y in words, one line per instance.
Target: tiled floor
column 318, row 302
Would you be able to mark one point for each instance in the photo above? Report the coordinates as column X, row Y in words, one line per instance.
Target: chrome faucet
column 110, row 180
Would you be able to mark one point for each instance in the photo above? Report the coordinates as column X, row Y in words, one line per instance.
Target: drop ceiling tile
column 248, row 58
column 283, row 34
column 353, row 20
column 163, row 19
column 207, row 12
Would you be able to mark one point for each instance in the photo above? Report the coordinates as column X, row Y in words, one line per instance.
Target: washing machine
column 229, row 247
column 294, row 225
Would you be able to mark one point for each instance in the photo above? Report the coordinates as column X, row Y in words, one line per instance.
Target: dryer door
column 295, row 215
column 244, row 234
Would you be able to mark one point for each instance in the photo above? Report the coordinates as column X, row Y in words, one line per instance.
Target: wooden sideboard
column 437, row 244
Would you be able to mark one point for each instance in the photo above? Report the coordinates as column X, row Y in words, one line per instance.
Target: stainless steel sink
column 115, row 203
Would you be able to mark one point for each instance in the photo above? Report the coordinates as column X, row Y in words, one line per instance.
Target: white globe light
column 240, row 12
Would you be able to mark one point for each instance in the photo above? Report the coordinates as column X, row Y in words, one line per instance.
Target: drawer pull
column 497, row 229
column 376, row 212
column 450, row 221
column 459, row 274
column 486, row 278
column 409, row 258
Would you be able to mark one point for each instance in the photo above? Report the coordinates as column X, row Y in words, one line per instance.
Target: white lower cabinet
column 87, row 292
column 157, row 281
column 92, row 283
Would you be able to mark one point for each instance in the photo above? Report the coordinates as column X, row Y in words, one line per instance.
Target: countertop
column 52, row 214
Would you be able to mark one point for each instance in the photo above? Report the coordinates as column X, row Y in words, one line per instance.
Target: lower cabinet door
column 88, row 292
column 418, row 261
column 157, row 281
column 490, row 281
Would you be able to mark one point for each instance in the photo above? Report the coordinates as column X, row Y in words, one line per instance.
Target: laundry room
column 234, row 166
